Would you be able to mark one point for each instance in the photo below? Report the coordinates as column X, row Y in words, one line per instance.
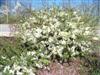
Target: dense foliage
column 51, row 35
column 59, row 33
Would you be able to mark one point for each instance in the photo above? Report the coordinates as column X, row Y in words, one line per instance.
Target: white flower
column 76, row 31
column 57, row 23
column 32, row 18
column 34, row 40
column 73, row 49
column 50, row 39
column 54, row 50
column 74, row 12
column 73, row 36
column 11, row 71
column 95, row 38
column 63, row 34
column 38, row 30
column 19, row 73
column 37, row 35
column 50, row 19
column 73, row 25
column 46, row 29
column 31, row 72
column 62, row 13
column 60, row 50
column 87, row 28
column 3, row 57
column 27, row 33
column 42, row 54
column 78, row 18
column 26, row 24
column 87, row 32
column 39, row 65
column 6, row 68
column 31, row 53
column 16, row 67
column 63, row 42
column 54, row 20
column 44, row 17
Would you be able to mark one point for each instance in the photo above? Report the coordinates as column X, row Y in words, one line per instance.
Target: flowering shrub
column 59, row 33
column 26, row 64
column 52, row 34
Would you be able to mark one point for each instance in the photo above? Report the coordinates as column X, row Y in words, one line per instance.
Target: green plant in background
column 96, row 72
column 15, row 18
column 48, row 35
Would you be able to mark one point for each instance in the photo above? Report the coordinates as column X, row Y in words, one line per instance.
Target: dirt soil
column 71, row 68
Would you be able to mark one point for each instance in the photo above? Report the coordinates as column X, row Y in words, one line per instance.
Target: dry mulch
column 71, row 68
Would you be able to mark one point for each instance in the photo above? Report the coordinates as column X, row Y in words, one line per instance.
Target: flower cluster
column 17, row 70
column 26, row 64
